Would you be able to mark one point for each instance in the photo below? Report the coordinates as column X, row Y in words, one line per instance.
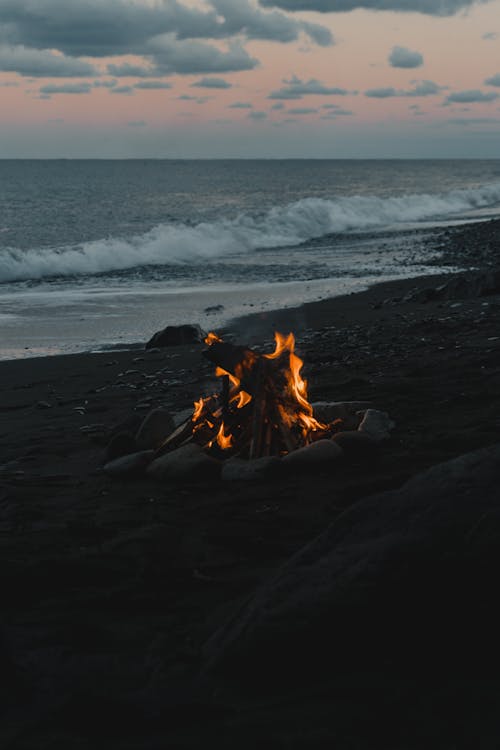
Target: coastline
column 113, row 587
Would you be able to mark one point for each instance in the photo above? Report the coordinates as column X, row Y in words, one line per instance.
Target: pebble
column 377, row 424
column 323, row 452
column 129, row 466
column 241, row 470
column 189, row 462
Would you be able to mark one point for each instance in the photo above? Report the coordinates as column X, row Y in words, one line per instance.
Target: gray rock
column 157, row 426
column 176, row 336
column 189, row 462
column 377, row 424
column 356, row 444
column 129, row 466
column 120, row 445
column 323, row 452
column 182, row 416
column 347, row 411
column 240, row 470
column 404, row 578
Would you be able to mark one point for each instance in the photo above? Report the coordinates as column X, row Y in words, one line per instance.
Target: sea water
column 96, row 252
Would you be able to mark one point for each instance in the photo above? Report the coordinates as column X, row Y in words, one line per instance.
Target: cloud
column 94, row 28
column 137, row 124
column 340, row 113
column 302, row 111
column 471, row 96
column 257, row 115
column 429, row 7
column 184, row 57
column 278, row 106
column 240, row 105
column 125, row 70
column 490, row 36
column 382, row 93
column 196, row 99
column 493, row 81
column 401, row 57
column 152, row 85
column 296, row 89
column 240, row 17
column 125, row 90
column 65, row 88
column 41, row 63
column 212, row 83
column 105, row 84
column 420, row 88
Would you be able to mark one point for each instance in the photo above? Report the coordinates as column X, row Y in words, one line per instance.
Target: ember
column 262, row 407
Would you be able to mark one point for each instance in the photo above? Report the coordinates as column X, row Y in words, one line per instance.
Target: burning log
column 262, row 409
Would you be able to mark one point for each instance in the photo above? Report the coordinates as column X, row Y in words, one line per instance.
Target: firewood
column 177, row 436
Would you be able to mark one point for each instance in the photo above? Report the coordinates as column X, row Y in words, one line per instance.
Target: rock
column 130, row 424
column 43, row 405
column 356, row 444
column 157, row 426
column 323, row 452
column 347, row 411
column 240, row 470
column 129, row 466
column 182, row 416
column 377, row 424
column 189, row 462
column 214, row 309
column 120, row 445
column 402, row 580
column 176, row 336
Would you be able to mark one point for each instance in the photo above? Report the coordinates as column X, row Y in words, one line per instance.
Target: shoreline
column 112, row 588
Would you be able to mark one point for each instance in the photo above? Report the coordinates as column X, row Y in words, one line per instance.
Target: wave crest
column 281, row 226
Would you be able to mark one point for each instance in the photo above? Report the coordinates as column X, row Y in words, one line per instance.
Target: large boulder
column 403, row 580
column 176, row 336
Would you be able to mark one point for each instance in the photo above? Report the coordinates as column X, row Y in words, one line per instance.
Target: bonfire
column 261, row 408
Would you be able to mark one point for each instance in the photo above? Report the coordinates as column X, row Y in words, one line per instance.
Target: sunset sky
column 238, row 78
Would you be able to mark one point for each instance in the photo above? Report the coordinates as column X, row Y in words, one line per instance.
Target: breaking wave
column 281, row 226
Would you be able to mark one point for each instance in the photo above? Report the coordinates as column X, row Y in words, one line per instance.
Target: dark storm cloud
column 401, row 57
column 493, row 81
column 421, row 88
column 41, row 63
column 471, row 96
column 429, row 7
column 296, row 89
column 240, row 105
column 212, row 83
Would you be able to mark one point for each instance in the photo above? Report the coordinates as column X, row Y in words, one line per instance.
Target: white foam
column 280, row 227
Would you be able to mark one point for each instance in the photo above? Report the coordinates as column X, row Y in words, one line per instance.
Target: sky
column 250, row 78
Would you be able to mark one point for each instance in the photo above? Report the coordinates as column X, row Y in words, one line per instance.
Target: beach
column 112, row 588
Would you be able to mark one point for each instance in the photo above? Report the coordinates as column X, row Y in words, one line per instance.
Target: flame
column 244, row 398
column 219, row 372
column 198, row 410
column 285, row 398
column 224, row 441
column 212, row 338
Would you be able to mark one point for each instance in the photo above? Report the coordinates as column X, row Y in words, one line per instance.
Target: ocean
column 96, row 253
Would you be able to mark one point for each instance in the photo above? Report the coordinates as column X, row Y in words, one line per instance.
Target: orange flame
column 198, row 410
column 212, row 338
column 219, row 372
column 224, row 441
column 244, row 398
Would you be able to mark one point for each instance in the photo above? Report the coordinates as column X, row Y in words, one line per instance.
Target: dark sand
column 111, row 588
